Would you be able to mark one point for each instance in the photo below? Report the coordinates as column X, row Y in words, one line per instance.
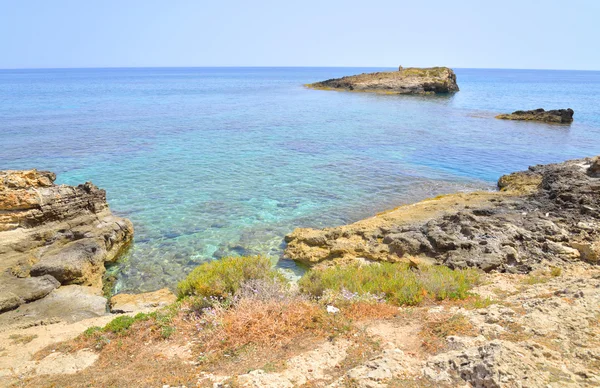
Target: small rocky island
column 54, row 243
column 411, row 80
column 557, row 116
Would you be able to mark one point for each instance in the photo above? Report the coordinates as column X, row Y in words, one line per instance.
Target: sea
column 214, row 162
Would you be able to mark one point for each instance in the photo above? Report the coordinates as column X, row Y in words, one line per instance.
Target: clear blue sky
column 549, row 34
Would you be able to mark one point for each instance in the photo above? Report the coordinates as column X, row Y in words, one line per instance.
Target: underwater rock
column 561, row 116
column 550, row 214
column 411, row 80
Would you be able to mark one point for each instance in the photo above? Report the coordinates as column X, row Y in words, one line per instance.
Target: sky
column 523, row 34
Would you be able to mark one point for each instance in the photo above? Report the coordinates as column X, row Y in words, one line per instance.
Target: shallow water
column 209, row 162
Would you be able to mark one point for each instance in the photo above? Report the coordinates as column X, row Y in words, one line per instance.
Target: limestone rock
column 9, row 301
column 79, row 262
column 493, row 364
column 127, row 303
column 561, row 116
column 16, row 291
column 65, row 304
column 55, row 234
column 550, row 213
column 594, row 169
column 410, row 80
column 66, row 363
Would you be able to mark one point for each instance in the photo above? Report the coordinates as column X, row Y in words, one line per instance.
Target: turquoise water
column 209, row 162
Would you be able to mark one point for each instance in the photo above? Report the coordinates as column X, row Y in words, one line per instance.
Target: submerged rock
column 53, row 235
column 561, row 116
column 410, row 80
column 550, row 213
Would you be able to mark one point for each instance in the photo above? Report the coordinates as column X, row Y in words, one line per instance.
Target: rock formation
column 54, row 235
column 129, row 303
column 559, row 116
column 550, row 213
column 410, row 80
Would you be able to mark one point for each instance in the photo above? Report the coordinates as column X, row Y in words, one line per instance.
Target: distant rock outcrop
column 53, row 235
column 409, row 80
column 560, row 116
column 550, row 214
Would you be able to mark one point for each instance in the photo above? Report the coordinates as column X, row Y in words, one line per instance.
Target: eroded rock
column 16, row 291
column 53, row 234
column 551, row 213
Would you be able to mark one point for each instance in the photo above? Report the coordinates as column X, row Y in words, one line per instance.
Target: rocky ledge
column 548, row 214
column 410, row 80
column 54, row 243
column 559, row 116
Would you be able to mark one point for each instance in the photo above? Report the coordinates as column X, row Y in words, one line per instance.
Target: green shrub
column 119, row 324
column 397, row 282
column 222, row 278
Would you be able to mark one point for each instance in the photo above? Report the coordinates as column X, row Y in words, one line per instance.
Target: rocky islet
column 412, row 80
column 556, row 116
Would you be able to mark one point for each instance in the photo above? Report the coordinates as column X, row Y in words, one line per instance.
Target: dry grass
column 22, row 339
column 139, row 357
column 361, row 311
column 259, row 323
column 435, row 330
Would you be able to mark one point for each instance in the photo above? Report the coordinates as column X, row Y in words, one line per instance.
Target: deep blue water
column 209, row 162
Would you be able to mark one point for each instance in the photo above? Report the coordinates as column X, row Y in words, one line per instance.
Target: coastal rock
column 79, row 262
column 65, row 304
column 594, row 169
column 410, row 80
column 16, row 291
column 51, row 234
column 127, row 303
column 549, row 214
column 561, row 116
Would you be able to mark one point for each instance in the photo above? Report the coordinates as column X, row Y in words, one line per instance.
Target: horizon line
column 271, row 67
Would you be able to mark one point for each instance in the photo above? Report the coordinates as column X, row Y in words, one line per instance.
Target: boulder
column 560, row 116
column 594, row 169
column 16, row 291
column 411, row 80
column 79, row 262
column 127, row 303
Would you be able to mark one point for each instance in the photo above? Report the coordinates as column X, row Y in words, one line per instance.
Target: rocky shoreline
column 54, row 243
column 531, row 320
column 412, row 80
column 549, row 214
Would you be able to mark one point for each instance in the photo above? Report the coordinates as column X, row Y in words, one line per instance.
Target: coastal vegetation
column 223, row 278
column 398, row 283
